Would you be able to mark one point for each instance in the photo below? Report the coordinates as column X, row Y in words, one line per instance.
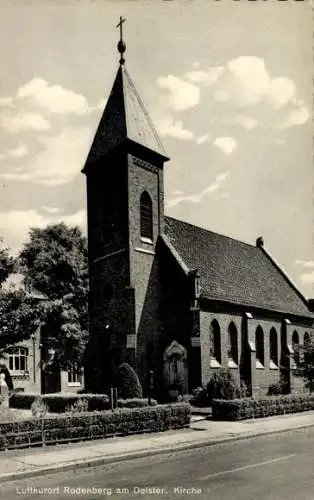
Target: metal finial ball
column 121, row 46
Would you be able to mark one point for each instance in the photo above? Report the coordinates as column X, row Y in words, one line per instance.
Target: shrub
column 79, row 406
column 128, row 383
column 199, row 397
column 274, row 390
column 60, row 403
column 222, row 386
column 69, row 427
column 39, row 408
column 238, row 409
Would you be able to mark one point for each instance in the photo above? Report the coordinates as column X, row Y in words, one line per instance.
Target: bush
column 61, row 403
column 274, row 390
column 39, row 408
column 222, row 385
column 239, row 409
column 128, row 383
column 70, row 427
column 199, row 398
column 79, row 406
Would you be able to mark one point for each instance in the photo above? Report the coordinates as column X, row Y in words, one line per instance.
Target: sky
column 227, row 84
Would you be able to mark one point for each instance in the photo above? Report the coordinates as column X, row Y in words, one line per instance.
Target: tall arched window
column 215, row 344
column 259, row 344
column 146, row 216
column 296, row 347
column 307, row 344
column 273, row 348
column 232, row 344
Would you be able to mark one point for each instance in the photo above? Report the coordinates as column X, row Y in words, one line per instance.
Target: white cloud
column 246, row 121
column 244, row 82
column 206, row 78
column 197, row 197
column 223, row 195
column 52, row 210
column 59, row 162
column 307, row 277
column 55, row 98
column 297, row 116
column 280, row 92
column 77, row 219
column 6, row 101
column 226, row 144
column 222, row 177
column 305, row 263
column 173, row 128
column 181, row 94
column 15, row 224
column 202, row 139
column 24, row 121
column 19, row 152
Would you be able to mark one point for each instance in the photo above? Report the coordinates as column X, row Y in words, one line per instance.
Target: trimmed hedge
column 240, row 409
column 86, row 426
column 128, row 383
column 59, row 403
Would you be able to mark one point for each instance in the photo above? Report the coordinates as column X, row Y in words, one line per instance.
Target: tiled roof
column 124, row 117
column 234, row 271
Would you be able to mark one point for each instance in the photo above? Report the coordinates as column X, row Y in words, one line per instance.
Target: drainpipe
column 34, row 359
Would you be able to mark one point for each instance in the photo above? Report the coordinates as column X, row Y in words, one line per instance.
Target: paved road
column 274, row 467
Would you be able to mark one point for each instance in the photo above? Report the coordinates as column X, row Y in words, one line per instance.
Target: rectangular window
column 18, row 360
column 75, row 375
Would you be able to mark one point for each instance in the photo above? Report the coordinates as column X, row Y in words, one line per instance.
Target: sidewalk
column 18, row 464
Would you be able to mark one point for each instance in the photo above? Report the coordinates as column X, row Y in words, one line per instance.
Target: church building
column 169, row 296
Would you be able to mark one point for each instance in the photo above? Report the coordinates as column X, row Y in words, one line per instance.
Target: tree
column 17, row 317
column 54, row 263
column 6, row 263
column 305, row 365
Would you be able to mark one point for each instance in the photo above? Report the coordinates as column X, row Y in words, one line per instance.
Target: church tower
column 125, row 216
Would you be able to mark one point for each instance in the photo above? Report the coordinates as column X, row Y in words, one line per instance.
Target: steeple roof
column 124, row 117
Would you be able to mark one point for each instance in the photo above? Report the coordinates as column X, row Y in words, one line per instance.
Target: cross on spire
column 121, row 43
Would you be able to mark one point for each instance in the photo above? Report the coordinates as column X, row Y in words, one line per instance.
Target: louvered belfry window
column 146, row 215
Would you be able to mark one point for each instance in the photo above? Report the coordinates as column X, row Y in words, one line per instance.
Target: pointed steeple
column 124, row 117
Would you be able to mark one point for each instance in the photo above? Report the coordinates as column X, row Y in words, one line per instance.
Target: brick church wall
column 224, row 320
column 266, row 376
column 144, row 265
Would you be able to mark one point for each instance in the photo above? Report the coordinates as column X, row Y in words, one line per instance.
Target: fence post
column 150, row 386
column 111, row 398
column 115, row 397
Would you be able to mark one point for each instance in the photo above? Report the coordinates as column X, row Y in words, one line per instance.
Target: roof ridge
column 284, row 274
column 210, row 231
column 126, row 75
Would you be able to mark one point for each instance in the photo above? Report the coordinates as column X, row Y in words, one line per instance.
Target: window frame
column 296, row 352
column 260, row 348
column 273, row 356
column 75, row 376
column 215, row 344
column 146, row 218
column 15, row 357
column 233, row 350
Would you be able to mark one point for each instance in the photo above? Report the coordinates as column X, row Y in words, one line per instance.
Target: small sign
column 131, row 341
column 195, row 342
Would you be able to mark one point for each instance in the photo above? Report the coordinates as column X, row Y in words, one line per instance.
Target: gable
column 234, row 271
